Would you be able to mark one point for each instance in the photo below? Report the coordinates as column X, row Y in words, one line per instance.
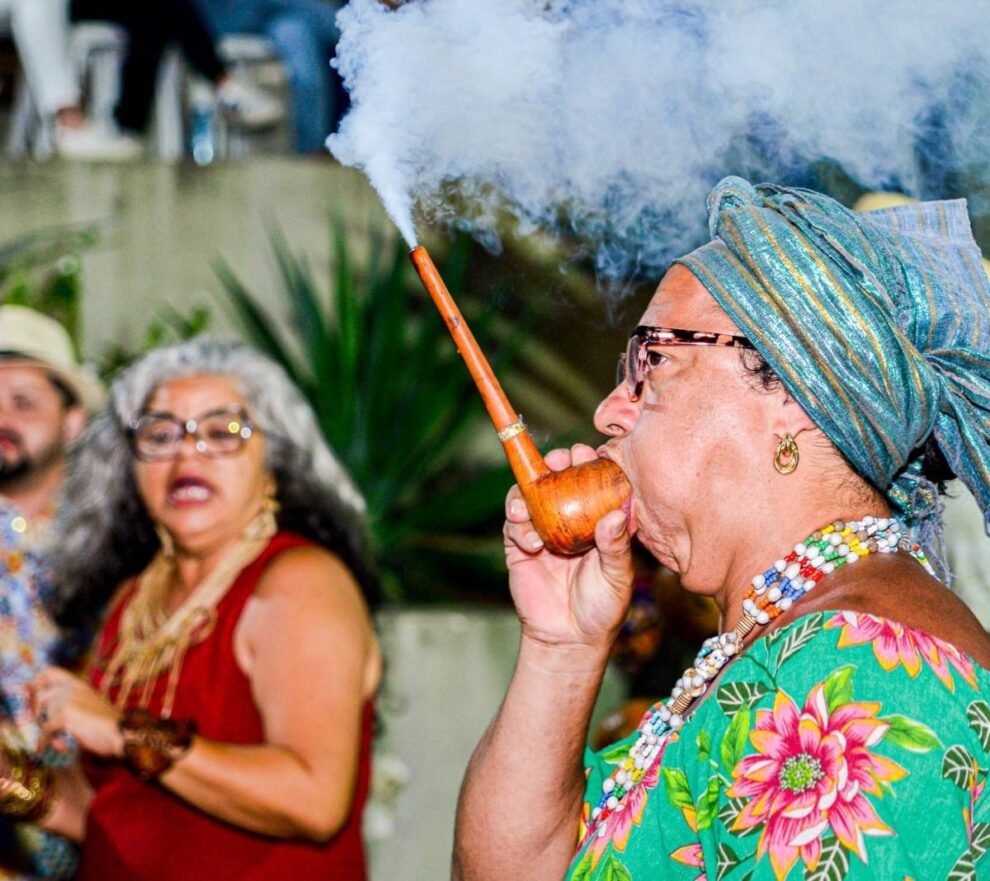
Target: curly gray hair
column 104, row 534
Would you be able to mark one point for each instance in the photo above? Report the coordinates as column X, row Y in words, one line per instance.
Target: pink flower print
column 812, row 772
column 619, row 824
column 896, row 645
column 690, row 855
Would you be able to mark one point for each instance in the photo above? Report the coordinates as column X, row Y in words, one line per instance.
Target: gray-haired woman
column 226, row 721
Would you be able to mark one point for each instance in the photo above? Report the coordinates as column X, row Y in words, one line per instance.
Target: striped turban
column 878, row 325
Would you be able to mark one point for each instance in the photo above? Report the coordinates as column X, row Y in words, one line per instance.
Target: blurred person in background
column 44, row 397
column 304, row 34
column 40, row 30
column 226, row 719
column 151, row 28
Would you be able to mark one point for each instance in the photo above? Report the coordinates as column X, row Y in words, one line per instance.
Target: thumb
column 615, row 550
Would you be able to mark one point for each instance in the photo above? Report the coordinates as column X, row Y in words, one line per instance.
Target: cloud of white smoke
column 609, row 120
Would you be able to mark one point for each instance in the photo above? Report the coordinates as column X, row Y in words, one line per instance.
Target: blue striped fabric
column 877, row 323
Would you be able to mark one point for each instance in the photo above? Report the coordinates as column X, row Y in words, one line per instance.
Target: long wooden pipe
column 564, row 505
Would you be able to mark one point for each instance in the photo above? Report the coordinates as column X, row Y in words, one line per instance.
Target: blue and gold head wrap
column 878, row 324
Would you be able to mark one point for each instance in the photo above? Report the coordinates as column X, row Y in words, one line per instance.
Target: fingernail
column 619, row 528
column 515, row 507
column 535, row 541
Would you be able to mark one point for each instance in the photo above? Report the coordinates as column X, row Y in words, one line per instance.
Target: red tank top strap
column 246, row 583
column 228, row 610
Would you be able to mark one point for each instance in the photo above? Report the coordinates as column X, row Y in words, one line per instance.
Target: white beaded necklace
column 769, row 594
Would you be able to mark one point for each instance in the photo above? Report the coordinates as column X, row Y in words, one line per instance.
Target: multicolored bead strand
column 770, row 594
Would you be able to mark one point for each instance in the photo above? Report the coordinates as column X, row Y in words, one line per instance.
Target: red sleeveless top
column 141, row 832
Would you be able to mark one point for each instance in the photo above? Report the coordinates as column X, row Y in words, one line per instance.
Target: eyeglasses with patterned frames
column 634, row 362
column 156, row 436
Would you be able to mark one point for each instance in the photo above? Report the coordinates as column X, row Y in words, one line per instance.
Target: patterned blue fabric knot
column 730, row 192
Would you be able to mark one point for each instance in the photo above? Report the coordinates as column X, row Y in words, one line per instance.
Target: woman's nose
column 188, row 446
column 617, row 414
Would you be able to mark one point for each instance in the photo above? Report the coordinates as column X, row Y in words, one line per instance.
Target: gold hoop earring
column 786, row 459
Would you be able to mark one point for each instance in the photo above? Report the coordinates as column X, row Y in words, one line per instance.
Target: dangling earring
column 786, row 459
column 265, row 525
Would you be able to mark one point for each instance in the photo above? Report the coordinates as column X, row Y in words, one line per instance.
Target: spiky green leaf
column 726, row 861
column 964, row 868
column 799, row 636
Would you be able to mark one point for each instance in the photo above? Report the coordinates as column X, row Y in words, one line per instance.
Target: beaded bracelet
column 153, row 744
column 27, row 792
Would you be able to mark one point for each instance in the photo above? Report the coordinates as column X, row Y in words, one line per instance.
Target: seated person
column 304, row 35
column 151, row 27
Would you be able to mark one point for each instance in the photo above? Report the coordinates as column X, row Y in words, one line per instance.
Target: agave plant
column 397, row 405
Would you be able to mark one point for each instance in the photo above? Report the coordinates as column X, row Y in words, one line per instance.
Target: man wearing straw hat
column 45, row 395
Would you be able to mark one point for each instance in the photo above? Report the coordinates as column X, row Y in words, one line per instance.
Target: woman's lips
column 190, row 490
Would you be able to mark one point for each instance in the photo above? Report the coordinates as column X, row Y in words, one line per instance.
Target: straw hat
column 36, row 337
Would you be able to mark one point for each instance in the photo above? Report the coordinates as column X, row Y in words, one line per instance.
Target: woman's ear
column 74, row 422
column 791, row 418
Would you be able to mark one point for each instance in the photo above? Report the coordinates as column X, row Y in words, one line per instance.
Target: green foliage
column 42, row 270
column 396, row 404
column 171, row 326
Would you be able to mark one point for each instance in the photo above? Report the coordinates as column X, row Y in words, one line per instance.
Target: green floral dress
column 843, row 746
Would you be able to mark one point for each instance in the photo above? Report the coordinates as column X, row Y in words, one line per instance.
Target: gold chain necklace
column 151, row 640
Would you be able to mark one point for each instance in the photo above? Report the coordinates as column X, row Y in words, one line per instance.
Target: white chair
column 254, row 59
column 97, row 50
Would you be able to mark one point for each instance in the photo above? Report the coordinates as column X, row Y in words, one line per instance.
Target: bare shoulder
column 307, row 587
column 310, row 573
column 306, row 603
column 897, row 588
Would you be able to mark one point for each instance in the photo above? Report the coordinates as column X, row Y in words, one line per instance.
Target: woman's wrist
column 564, row 659
column 150, row 744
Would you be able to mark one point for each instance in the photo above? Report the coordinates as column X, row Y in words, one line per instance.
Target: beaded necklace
column 769, row 594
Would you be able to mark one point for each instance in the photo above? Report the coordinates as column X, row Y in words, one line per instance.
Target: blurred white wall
column 446, row 671
column 969, row 550
column 165, row 223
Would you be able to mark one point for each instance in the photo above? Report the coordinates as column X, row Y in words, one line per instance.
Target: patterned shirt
column 842, row 746
column 29, row 642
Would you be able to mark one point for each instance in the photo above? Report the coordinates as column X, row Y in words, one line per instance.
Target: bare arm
column 517, row 816
column 306, row 643
column 520, row 801
column 70, row 804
